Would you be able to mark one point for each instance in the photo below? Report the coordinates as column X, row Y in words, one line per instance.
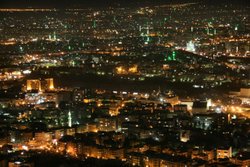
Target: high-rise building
column 34, row 84
column 38, row 85
column 49, row 84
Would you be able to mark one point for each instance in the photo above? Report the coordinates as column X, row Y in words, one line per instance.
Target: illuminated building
column 38, row 98
column 206, row 155
column 70, row 131
column 190, row 46
column 133, row 69
column 184, row 135
column 37, row 92
column 243, row 95
column 78, row 95
column 202, row 121
column 106, row 124
column 43, row 137
column 38, row 85
column 49, row 83
column 120, row 70
column 34, row 84
column 199, row 107
column 20, row 162
column 224, row 153
column 69, row 119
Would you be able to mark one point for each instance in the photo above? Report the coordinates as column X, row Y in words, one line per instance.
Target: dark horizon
column 106, row 3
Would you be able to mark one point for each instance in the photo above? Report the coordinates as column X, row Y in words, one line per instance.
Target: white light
column 146, row 95
column 234, row 117
column 13, row 140
column 25, row 148
column 18, row 162
column 218, row 110
column 190, row 46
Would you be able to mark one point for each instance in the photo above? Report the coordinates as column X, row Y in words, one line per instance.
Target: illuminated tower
column 215, row 31
column 173, row 55
column 50, row 83
column 147, row 35
column 54, row 36
column 94, row 24
column 192, row 29
column 69, row 119
column 208, row 32
column 140, row 28
column 33, row 84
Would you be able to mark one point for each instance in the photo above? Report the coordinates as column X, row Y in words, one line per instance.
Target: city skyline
column 124, row 83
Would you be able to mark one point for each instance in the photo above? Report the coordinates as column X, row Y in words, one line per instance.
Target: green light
column 169, row 58
column 54, row 35
column 94, row 24
column 173, row 55
column 208, row 31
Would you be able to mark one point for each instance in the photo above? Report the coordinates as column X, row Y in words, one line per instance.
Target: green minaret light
column 94, row 24
column 173, row 55
column 208, row 31
column 169, row 57
column 54, row 35
column 215, row 31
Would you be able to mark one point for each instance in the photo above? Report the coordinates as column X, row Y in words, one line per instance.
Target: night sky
column 104, row 3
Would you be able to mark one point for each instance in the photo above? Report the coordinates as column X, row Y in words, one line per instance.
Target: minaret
column 192, row 29
column 69, row 119
column 54, row 35
column 208, row 32
column 147, row 35
column 94, row 24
